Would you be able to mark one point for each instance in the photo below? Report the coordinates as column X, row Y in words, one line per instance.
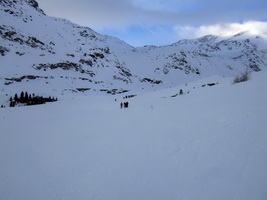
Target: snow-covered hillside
column 51, row 56
column 210, row 143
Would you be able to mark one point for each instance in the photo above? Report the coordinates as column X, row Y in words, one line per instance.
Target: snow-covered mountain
column 53, row 56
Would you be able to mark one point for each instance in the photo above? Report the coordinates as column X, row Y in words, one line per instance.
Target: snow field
column 208, row 144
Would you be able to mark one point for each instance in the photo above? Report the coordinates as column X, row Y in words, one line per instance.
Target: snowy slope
column 208, row 144
column 61, row 55
column 52, row 56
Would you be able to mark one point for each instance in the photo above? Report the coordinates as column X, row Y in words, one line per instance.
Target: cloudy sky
column 162, row 22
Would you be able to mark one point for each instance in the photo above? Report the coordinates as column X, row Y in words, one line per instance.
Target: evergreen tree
column 26, row 97
column 16, row 97
column 22, row 96
column 12, row 104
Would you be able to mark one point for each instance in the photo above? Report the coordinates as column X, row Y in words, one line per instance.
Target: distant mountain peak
column 207, row 38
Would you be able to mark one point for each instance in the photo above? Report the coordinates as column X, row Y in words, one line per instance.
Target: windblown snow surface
column 210, row 144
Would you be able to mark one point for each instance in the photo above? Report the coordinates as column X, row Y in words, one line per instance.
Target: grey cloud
column 120, row 14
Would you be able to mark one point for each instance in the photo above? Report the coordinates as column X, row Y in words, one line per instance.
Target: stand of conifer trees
column 26, row 99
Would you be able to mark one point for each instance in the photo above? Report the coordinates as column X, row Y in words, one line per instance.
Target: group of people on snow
column 124, row 105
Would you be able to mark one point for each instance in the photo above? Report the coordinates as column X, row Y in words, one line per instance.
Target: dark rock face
column 33, row 3
column 9, row 3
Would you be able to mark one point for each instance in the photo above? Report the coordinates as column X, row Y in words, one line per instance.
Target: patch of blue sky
column 138, row 35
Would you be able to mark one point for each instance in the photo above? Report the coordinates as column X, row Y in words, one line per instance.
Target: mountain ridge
column 64, row 57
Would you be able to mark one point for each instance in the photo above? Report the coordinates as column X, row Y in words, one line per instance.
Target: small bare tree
column 242, row 78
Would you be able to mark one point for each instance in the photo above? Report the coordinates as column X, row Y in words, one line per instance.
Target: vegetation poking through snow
column 242, row 78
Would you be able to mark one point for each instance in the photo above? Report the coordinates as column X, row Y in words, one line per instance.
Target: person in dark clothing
column 126, row 104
